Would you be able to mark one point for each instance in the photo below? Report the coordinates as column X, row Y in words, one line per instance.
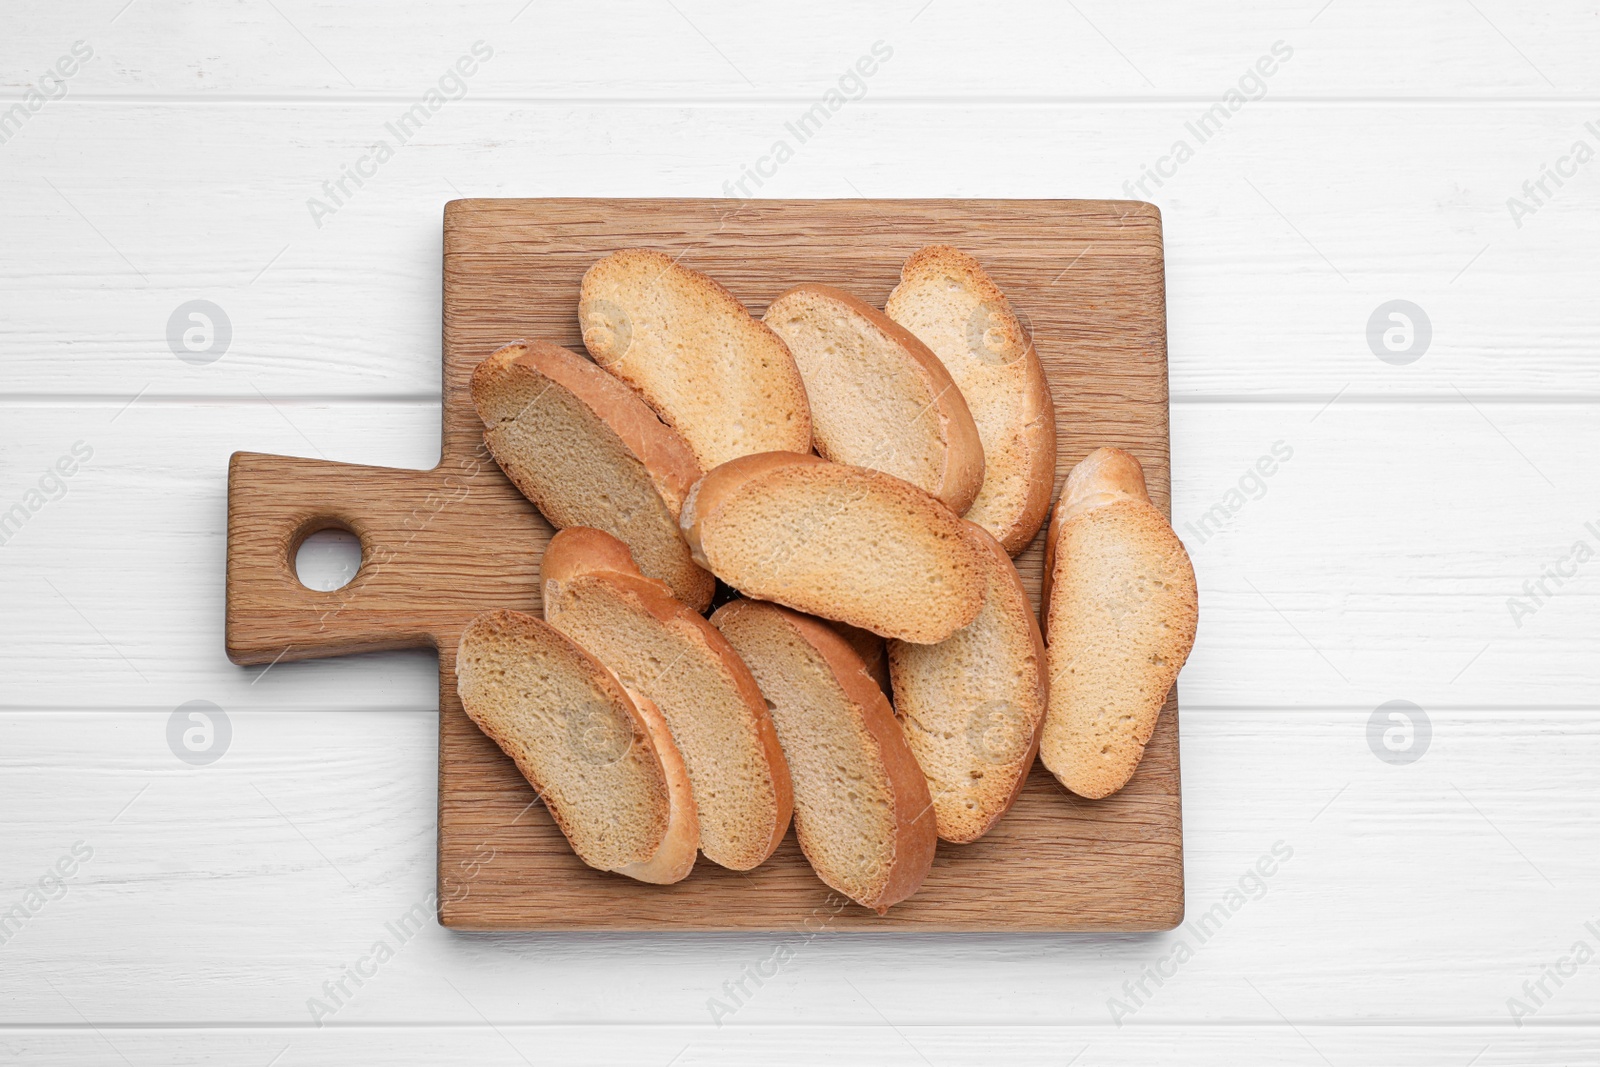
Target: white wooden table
column 1398, row 554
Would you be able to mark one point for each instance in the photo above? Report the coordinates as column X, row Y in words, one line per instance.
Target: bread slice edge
column 962, row 473
column 1004, row 573
column 580, row 551
column 519, row 626
column 722, row 484
column 1110, row 482
column 915, row 840
column 1014, row 529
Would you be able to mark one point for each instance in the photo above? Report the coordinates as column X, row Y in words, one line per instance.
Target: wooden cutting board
column 440, row 546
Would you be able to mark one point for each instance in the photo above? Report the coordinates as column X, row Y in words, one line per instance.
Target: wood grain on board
column 440, row 546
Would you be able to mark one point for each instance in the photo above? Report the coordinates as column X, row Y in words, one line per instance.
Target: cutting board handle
column 276, row 502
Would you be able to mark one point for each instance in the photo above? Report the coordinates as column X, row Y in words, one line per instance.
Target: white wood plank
column 891, row 1043
column 1382, row 560
column 228, row 894
column 951, row 48
column 136, row 603
column 1283, row 236
column 1377, row 563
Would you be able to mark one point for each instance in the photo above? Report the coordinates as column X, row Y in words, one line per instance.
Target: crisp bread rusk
column 588, row 452
column 719, row 377
column 583, row 744
column 972, row 705
column 674, row 859
column 872, row 649
column 946, row 300
column 879, row 397
column 659, row 646
column 846, row 543
column 1119, row 618
column 861, row 806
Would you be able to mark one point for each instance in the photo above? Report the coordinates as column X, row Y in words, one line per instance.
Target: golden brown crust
column 504, row 622
column 779, row 373
column 663, row 452
column 720, row 485
column 579, row 551
column 709, row 493
column 1006, row 571
column 962, row 475
column 1011, row 577
column 1030, row 389
column 1102, row 477
column 914, row 837
column 872, row 650
column 1046, row 583
column 1088, row 752
column 681, row 843
column 1039, row 438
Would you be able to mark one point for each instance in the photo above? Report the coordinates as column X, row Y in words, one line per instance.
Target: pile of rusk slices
column 876, row 567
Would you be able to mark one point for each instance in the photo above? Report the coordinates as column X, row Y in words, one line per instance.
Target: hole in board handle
column 327, row 558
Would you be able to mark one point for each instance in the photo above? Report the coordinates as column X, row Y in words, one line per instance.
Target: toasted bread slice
column 1120, row 614
column 577, row 738
column 972, row 705
column 674, row 859
column 585, row 449
column 945, row 299
column 719, row 377
column 847, row 543
column 861, row 807
column 879, row 397
column 872, row 649
column 657, row 645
